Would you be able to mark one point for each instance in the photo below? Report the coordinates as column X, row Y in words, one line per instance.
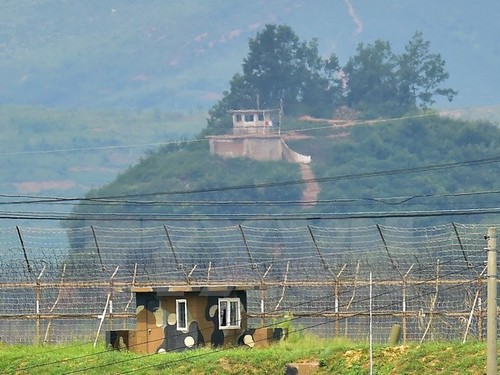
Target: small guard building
column 175, row 318
column 256, row 135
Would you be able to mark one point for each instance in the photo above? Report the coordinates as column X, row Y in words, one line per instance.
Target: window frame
column 178, row 303
column 225, row 317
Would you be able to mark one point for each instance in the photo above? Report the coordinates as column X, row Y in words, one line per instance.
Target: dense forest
column 395, row 155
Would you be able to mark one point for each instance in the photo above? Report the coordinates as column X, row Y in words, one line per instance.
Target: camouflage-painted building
column 174, row 318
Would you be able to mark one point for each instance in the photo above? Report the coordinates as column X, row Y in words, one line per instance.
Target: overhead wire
column 399, row 171
column 127, row 216
column 125, row 197
column 96, row 148
column 122, row 199
column 388, row 200
column 283, row 131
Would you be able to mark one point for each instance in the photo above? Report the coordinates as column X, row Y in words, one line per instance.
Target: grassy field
column 333, row 356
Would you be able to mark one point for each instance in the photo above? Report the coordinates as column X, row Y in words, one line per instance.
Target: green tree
column 380, row 83
column 371, row 79
column 275, row 64
column 420, row 75
column 280, row 66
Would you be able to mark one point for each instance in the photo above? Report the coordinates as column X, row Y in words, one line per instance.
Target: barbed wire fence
column 61, row 285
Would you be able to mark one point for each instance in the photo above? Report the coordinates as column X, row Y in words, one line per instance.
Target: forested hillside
column 384, row 151
column 91, row 89
column 350, row 164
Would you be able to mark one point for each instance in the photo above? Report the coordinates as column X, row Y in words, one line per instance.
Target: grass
column 333, row 356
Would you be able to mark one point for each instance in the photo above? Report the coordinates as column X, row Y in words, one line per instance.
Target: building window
column 229, row 313
column 249, row 118
column 238, row 118
column 181, row 309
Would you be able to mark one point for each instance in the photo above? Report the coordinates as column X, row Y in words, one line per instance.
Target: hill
column 92, row 88
column 413, row 164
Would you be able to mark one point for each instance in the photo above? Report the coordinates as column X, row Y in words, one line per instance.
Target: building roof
column 166, row 290
column 243, row 111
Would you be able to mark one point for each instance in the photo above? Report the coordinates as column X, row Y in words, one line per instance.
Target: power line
column 63, row 216
column 350, row 124
column 400, row 171
column 391, row 200
column 96, row 148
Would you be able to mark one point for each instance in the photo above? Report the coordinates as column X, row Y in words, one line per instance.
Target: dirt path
column 311, row 190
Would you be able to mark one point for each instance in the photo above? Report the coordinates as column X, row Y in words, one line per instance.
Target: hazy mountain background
column 91, row 87
column 179, row 55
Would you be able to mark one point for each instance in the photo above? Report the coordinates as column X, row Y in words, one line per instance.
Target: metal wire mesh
column 429, row 280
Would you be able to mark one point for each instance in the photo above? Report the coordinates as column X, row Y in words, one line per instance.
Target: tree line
column 375, row 82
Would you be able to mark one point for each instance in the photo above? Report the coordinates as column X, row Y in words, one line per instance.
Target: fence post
column 47, row 330
column 262, row 307
column 38, row 292
column 25, row 254
column 97, row 247
column 253, row 265
column 405, row 286
column 285, row 279
column 371, row 323
column 491, row 334
column 125, row 321
column 355, row 286
column 263, row 295
column 180, row 266
column 337, row 303
column 109, row 299
column 433, row 304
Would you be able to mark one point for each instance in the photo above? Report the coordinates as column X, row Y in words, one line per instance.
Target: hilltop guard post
column 256, row 135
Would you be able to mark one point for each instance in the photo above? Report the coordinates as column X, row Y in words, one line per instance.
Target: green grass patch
column 333, row 356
